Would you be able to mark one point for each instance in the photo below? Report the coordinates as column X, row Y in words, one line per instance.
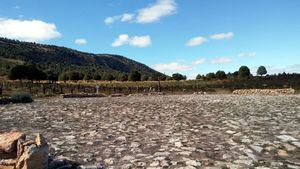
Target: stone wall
column 83, row 95
column 264, row 91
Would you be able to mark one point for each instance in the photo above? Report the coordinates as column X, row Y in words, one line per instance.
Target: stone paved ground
column 180, row 131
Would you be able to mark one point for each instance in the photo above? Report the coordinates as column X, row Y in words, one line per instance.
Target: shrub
column 21, row 98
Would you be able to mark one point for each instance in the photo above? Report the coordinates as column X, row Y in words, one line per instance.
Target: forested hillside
column 61, row 59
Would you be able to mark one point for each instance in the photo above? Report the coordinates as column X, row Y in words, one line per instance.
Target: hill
column 61, row 59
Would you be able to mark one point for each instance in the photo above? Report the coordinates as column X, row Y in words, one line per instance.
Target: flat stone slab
column 179, row 131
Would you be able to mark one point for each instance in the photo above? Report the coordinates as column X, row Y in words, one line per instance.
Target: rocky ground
column 179, row 131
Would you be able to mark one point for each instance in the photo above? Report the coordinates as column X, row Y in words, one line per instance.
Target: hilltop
column 61, row 59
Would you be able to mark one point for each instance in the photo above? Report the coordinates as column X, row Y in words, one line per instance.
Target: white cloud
column 196, row 41
column 154, row 12
column 151, row 13
column 221, row 60
column 222, row 36
column 109, row 20
column 127, row 17
column 137, row 41
column 174, row 66
column 80, row 41
column 121, row 40
column 247, row 54
column 199, row 61
column 28, row 30
column 140, row 41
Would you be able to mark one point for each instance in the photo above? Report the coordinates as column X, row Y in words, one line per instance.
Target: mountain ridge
column 61, row 59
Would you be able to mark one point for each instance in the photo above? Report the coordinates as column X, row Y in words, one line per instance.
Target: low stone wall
column 82, row 95
column 264, row 91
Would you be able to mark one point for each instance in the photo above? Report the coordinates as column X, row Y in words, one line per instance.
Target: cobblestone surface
column 179, row 131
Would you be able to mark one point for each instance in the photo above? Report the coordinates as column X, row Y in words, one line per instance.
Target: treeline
column 33, row 73
column 242, row 73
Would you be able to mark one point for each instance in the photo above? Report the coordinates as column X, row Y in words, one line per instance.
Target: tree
column 97, row 76
column 178, row 76
column 33, row 73
column 122, row 77
column 154, row 77
column 210, row 76
column 52, row 76
column 75, row 76
column 261, row 71
column 87, row 76
column 63, row 77
column 18, row 72
column 108, row 77
column 134, row 76
column 235, row 74
column 145, row 78
column 244, row 72
column 29, row 72
column 200, row 77
column 220, row 75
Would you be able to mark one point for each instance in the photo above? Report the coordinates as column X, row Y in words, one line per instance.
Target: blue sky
column 189, row 37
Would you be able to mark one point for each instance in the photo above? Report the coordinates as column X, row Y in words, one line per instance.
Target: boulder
column 33, row 155
column 8, row 141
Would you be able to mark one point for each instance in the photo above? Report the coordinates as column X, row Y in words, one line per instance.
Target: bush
column 21, row 98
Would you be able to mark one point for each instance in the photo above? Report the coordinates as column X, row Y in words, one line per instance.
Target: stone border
column 264, row 91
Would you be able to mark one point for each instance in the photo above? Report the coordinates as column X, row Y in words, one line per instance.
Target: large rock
column 8, row 141
column 33, row 155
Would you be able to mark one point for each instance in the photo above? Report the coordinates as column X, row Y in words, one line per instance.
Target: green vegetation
column 21, row 98
column 59, row 60
column 38, row 68
column 261, row 71
column 244, row 72
column 28, row 72
column 210, row 76
column 220, row 75
column 134, row 76
column 178, row 76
